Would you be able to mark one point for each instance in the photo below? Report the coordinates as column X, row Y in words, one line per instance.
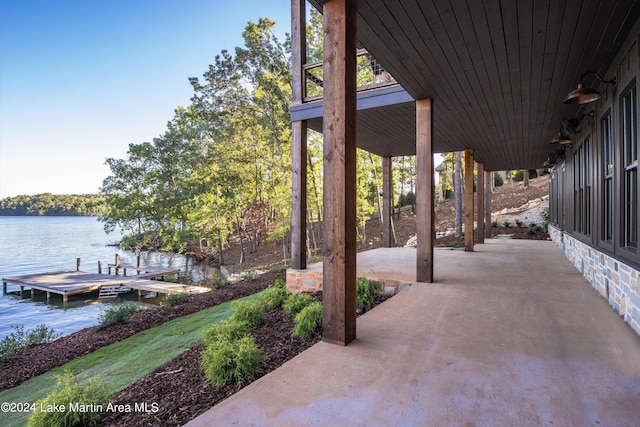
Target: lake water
column 34, row 244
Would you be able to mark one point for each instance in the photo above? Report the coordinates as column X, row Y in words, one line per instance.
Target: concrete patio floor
column 510, row 335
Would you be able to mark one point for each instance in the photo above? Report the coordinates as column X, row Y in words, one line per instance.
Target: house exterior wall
column 617, row 282
column 594, row 203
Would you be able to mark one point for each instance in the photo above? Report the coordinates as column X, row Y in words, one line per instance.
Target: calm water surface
column 31, row 245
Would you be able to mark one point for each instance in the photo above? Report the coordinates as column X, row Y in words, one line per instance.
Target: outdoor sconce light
column 584, row 95
column 561, row 139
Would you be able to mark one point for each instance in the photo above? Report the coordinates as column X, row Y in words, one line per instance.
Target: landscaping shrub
column 367, row 290
column 251, row 312
column 308, row 322
column 279, row 283
column 174, row 299
column 498, row 181
column 533, row 229
column 219, row 282
column 274, row 296
column 19, row 339
column 494, row 223
column 507, row 223
column 518, row 223
column 518, row 176
column 229, row 330
column 239, row 360
column 296, row 302
column 116, row 315
column 70, row 392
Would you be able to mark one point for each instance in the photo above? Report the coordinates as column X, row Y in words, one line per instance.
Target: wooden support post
column 99, row 267
column 468, row 200
column 488, row 177
column 425, row 191
column 138, row 261
column 22, row 290
column 339, row 131
column 117, row 265
column 4, row 287
column 33, row 293
column 299, row 195
column 298, row 49
column 387, row 203
column 77, row 264
column 480, row 202
column 64, row 297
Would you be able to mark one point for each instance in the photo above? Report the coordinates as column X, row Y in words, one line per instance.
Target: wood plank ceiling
column 497, row 70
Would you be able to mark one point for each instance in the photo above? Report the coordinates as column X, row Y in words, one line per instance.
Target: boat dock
column 73, row 282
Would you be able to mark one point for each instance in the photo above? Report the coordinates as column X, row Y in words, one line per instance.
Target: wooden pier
column 73, row 282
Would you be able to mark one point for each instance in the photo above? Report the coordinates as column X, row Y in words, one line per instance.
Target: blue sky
column 81, row 80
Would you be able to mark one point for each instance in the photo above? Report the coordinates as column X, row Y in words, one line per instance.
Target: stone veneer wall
column 615, row 281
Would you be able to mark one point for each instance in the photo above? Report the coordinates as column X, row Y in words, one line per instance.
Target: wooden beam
column 299, row 195
column 339, row 132
column 298, row 49
column 468, row 200
column 425, row 191
column 387, row 203
column 488, row 177
column 480, row 202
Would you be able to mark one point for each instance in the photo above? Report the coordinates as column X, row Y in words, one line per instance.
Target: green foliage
column 20, row 339
column 219, row 282
column 507, row 223
column 296, row 302
column 494, row 223
column 274, row 296
column 533, row 229
column 250, row 275
column 174, row 299
column 48, row 204
column 277, row 268
column 308, row 322
column 518, row 176
column 238, row 361
column 518, row 223
column 70, row 391
column 119, row 314
column 545, row 217
column 229, row 330
column 279, row 283
column 251, row 312
column 498, row 181
column 367, row 290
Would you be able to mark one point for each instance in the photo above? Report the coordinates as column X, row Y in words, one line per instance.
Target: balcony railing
column 369, row 75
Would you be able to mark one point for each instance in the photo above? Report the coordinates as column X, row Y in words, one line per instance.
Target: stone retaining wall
column 616, row 282
column 311, row 281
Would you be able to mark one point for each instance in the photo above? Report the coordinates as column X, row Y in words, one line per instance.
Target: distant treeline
column 48, row 204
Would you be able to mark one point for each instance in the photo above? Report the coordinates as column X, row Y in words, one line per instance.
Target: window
column 628, row 125
column 582, row 189
column 607, row 178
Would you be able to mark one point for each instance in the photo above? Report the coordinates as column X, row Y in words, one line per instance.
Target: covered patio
column 511, row 334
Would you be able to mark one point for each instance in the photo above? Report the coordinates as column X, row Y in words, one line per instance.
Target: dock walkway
column 71, row 282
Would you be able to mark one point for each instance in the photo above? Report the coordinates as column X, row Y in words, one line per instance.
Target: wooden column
column 299, row 138
column 339, row 132
column 468, row 200
column 298, row 49
column 387, row 203
column 299, row 195
column 480, row 202
column 488, row 177
column 425, row 191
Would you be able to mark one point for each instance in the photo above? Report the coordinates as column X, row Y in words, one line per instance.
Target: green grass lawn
column 122, row 363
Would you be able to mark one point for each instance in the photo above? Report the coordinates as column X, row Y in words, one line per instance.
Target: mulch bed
column 514, row 232
column 39, row 359
column 180, row 389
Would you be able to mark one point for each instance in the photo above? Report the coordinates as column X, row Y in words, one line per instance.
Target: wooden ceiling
column 496, row 70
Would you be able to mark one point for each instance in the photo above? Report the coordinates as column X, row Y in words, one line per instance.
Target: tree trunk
column 377, row 184
column 239, row 237
column 525, row 174
column 457, row 189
